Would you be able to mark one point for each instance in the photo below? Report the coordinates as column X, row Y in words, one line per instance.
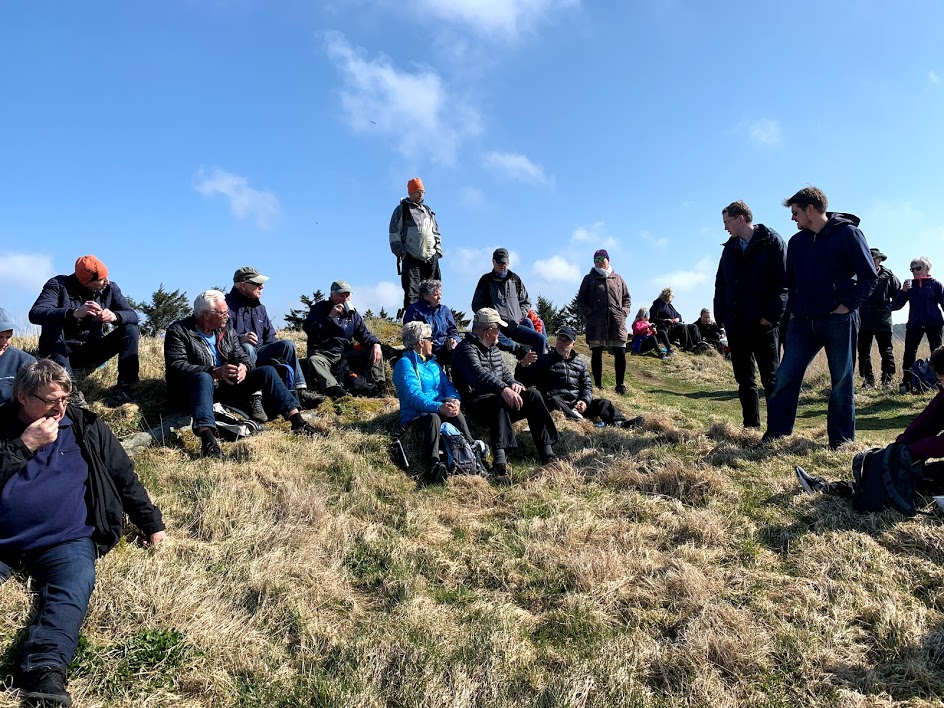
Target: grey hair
column 43, row 372
column 428, row 286
column 666, row 295
column 413, row 332
column 923, row 260
column 204, row 301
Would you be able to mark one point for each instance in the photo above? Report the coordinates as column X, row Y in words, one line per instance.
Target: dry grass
column 676, row 565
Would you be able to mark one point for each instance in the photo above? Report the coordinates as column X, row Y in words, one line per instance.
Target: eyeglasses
column 219, row 312
column 426, row 339
column 53, row 403
column 914, row 268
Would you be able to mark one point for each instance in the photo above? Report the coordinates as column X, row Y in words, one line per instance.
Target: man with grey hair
column 490, row 391
column 11, row 358
column 204, row 362
column 429, row 309
column 65, row 487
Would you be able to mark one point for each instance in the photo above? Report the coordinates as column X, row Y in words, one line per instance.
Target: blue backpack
column 460, row 457
column 922, row 377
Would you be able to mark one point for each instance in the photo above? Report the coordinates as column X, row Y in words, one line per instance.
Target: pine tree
column 571, row 317
column 550, row 315
column 369, row 315
column 462, row 322
column 382, row 315
column 163, row 310
column 296, row 317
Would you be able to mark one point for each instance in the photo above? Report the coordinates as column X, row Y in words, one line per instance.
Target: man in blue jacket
column 829, row 275
column 76, row 313
column 750, row 295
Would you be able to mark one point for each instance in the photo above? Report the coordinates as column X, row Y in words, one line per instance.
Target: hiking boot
column 620, row 389
column 256, row 409
column 77, row 398
column 811, row 485
column 211, row 449
column 308, row 430
column 630, row 423
column 45, row 686
column 438, row 473
column 336, row 391
column 502, row 475
column 308, row 399
column 120, row 395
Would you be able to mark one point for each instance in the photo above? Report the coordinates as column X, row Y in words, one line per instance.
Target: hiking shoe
column 620, row 389
column 308, row 430
column 211, row 449
column 77, row 398
column 45, row 686
column 336, row 391
column 630, row 423
column 811, row 485
column 120, row 395
column 256, row 409
column 502, row 475
column 438, row 473
column 308, row 399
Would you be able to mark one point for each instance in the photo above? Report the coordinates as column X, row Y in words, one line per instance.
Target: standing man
column 76, row 313
column 65, row 487
column 502, row 290
column 415, row 241
column 11, row 358
column 750, row 296
column 876, row 315
column 829, row 275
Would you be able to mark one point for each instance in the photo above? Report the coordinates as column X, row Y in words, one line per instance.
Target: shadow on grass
column 712, row 395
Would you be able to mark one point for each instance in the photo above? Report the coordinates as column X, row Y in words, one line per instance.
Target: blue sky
column 180, row 140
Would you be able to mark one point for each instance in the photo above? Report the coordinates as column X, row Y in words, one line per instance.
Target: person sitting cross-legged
column 562, row 378
column 204, row 362
column 427, row 397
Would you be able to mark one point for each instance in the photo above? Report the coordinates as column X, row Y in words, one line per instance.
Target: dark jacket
column 338, row 335
column 828, row 269
column 662, row 313
column 923, row 433
column 186, row 353
column 479, row 370
column 507, row 295
column 925, row 300
column 60, row 298
column 751, row 284
column 439, row 318
column 604, row 302
column 554, row 375
column 710, row 332
column 113, row 488
column 248, row 314
column 875, row 315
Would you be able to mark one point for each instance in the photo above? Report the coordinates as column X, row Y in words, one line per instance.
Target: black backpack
column 233, row 424
column 884, row 479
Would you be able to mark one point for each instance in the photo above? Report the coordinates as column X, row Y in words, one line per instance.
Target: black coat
column 554, row 375
column 478, row 370
column 751, row 284
column 113, row 488
column 186, row 353
column 876, row 312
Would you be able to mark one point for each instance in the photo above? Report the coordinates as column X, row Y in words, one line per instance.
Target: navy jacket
column 439, row 318
column 751, row 284
column 661, row 313
column 876, row 312
column 828, row 269
column 338, row 336
column 924, row 303
column 62, row 296
column 248, row 314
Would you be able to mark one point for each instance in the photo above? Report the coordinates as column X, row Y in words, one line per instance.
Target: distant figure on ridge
column 415, row 241
column 11, row 358
column 876, row 315
column 503, row 291
column 925, row 298
column 604, row 302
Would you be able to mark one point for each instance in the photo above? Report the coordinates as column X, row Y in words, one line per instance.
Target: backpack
column 922, row 377
column 884, row 479
column 286, row 373
column 460, row 457
column 233, row 423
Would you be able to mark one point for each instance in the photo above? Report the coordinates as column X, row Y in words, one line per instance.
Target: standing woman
column 925, row 298
column 604, row 302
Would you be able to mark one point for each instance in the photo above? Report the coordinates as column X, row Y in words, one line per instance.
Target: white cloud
column 28, row 271
column 415, row 111
column 658, row 242
column 556, row 269
column 595, row 235
column 515, row 166
column 934, row 77
column 472, row 197
column 261, row 206
column 506, row 18
column 763, row 132
column 473, row 262
column 384, row 294
column 685, row 280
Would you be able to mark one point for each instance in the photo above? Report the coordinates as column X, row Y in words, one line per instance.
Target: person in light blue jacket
column 427, row 397
column 11, row 358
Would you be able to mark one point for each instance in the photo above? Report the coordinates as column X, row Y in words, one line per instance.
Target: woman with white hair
column 925, row 298
column 427, row 397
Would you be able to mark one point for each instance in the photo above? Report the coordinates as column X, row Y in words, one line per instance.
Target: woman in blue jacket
column 925, row 298
column 427, row 397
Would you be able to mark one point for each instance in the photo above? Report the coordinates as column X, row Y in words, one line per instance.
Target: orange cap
column 89, row 268
column 415, row 185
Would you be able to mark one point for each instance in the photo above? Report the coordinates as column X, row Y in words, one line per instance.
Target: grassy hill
column 676, row 565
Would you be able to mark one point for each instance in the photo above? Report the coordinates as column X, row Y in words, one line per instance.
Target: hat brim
column 257, row 280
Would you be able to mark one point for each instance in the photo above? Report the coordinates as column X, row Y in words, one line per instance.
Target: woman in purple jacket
column 925, row 298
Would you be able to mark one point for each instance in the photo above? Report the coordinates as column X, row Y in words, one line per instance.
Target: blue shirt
column 212, row 345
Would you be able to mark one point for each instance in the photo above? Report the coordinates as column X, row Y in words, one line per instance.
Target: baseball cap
column 568, row 332
column 500, row 255
column 6, row 320
column 487, row 315
column 247, row 274
column 340, row 286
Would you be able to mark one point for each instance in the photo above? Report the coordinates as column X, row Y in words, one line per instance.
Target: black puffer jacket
column 186, row 353
column 751, row 284
column 876, row 312
column 479, row 370
column 554, row 375
column 113, row 488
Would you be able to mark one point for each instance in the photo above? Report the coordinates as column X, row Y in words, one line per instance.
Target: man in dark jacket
column 415, row 241
column 750, row 296
column 341, row 350
column 65, row 486
column 75, row 312
column 876, row 321
column 250, row 320
column 503, row 291
column 489, row 390
column 829, row 275
column 204, row 362
column 562, row 378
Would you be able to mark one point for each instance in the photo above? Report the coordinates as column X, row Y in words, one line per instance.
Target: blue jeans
column 283, row 350
column 523, row 333
column 201, row 394
column 65, row 577
column 805, row 337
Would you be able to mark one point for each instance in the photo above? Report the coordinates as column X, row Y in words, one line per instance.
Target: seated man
column 65, row 487
column 11, row 358
column 205, row 363
column 503, row 291
column 248, row 316
column 427, row 398
column 562, row 378
column 338, row 338
column 429, row 309
column 490, row 391
column 709, row 331
column 76, row 312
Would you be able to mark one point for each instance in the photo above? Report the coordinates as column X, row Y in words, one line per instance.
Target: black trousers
column 754, row 348
column 412, row 273
column 121, row 342
column 885, row 351
column 597, row 408
column 913, row 337
column 491, row 407
column 687, row 335
column 430, row 425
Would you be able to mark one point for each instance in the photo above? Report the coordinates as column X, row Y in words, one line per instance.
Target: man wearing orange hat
column 76, row 313
column 415, row 241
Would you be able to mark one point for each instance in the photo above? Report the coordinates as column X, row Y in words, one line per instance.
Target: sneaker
column 308, row 430
column 211, row 449
column 308, row 399
column 620, row 389
column 502, row 475
column 811, row 485
column 77, row 398
column 45, row 686
column 120, row 395
column 438, row 473
column 256, row 409
column 336, row 391
column 573, row 413
column 631, row 423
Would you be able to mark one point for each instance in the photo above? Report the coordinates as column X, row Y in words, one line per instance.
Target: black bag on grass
column 233, row 424
column 884, row 479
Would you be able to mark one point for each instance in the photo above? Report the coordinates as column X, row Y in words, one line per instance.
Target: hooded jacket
column 507, row 295
column 751, row 284
column 828, row 269
column 605, row 303
column 925, row 300
column 248, row 314
column 876, row 312
column 421, row 386
column 415, row 232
